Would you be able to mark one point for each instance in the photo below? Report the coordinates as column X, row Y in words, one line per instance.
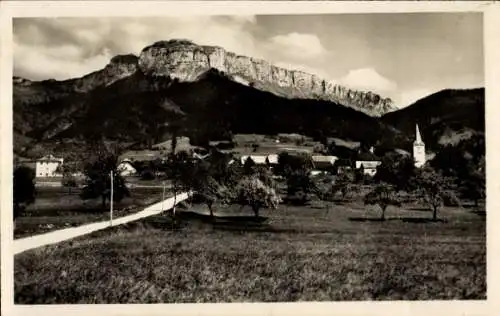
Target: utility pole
column 111, row 202
column 163, row 197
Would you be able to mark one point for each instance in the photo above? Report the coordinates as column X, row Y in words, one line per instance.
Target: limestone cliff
column 186, row 61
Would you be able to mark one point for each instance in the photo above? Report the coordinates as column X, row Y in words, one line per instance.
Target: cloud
column 63, row 48
column 57, row 63
column 298, row 46
column 368, row 79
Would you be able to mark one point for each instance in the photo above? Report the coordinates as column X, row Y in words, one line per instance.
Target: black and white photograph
column 248, row 158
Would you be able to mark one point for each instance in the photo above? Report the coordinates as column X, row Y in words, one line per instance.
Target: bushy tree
column 248, row 166
column 211, row 192
column 98, row 179
column 24, row 189
column 344, row 183
column 68, row 179
column 287, row 163
column 299, row 186
column 473, row 185
column 432, row 188
column 253, row 192
column 396, row 170
column 147, row 174
column 383, row 195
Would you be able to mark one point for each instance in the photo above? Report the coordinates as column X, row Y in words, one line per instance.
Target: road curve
column 24, row 244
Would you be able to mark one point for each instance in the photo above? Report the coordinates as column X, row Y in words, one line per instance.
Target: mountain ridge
column 186, row 61
column 129, row 102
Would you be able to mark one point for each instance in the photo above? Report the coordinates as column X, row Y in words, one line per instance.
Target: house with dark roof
column 368, row 162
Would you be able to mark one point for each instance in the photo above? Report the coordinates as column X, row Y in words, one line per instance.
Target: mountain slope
column 133, row 98
column 133, row 110
column 443, row 117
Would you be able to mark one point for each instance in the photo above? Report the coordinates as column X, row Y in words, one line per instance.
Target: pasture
column 322, row 252
column 55, row 208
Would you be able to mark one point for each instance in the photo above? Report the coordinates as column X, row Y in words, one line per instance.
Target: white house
column 369, row 167
column 47, row 166
column 258, row 159
column 320, row 161
column 126, row 169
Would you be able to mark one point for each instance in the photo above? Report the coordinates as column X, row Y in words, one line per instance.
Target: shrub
column 450, row 199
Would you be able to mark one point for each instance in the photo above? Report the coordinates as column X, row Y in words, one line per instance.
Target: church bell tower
column 418, row 149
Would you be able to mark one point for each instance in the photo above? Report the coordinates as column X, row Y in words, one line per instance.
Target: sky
column 404, row 56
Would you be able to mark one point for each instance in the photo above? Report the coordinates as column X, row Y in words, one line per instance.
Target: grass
column 55, row 208
column 292, row 254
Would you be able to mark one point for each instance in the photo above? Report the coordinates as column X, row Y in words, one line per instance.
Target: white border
column 9, row 9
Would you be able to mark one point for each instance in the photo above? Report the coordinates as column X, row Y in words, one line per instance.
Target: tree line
column 220, row 179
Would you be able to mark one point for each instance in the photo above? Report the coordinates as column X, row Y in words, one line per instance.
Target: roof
column 142, row 155
column 322, row 158
column 368, row 164
column 258, row 159
column 367, row 156
column 50, row 158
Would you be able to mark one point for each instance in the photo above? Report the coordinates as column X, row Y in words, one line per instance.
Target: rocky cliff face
column 119, row 67
column 186, row 61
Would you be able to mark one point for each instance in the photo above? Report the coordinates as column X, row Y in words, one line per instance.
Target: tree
column 253, row 192
column 68, row 179
column 344, row 183
column 288, row 162
column 98, row 179
column 396, row 170
column 383, row 195
column 432, row 188
column 210, row 191
column 255, row 147
column 264, row 174
column 299, row 186
column 24, row 189
column 474, row 184
column 248, row 166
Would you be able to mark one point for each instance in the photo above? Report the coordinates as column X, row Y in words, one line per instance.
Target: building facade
column 47, row 166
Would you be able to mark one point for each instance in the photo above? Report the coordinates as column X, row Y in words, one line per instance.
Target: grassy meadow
column 321, row 252
column 56, row 208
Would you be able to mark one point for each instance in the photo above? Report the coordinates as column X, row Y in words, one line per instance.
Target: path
column 24, row 244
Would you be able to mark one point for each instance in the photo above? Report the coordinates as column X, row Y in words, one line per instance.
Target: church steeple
column 418, row 149
column 418, row 137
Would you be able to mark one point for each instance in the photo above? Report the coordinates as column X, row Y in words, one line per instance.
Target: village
column 133, row 163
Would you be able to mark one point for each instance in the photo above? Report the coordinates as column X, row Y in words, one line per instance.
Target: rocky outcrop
column 119, row 67
column 186, row 61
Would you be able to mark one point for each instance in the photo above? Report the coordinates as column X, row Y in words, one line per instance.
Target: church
column 418, row 149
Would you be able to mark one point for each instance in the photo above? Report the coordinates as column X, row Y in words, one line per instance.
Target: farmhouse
column 261, row 159
column 126, row 169
column 47, row 166
column 368, row 162
column 322, row 164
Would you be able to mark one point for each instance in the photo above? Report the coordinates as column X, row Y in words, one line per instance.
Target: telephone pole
column 111, row 201
column 163, row 197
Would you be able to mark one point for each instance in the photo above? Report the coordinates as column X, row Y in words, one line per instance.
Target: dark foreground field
column 297, row 254
column 55, row 208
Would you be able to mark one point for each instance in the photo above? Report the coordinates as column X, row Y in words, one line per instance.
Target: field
column 317, row 253
column 55, row 208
